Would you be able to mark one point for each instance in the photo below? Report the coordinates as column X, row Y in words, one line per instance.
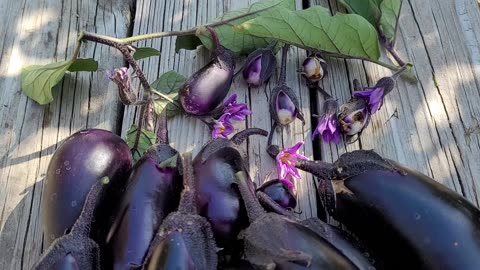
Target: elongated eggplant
column 274, row 241
column 77, row 164
column 152, row 193
column 217, row 197
column 387, row 205
column 185, row 239
column 76, row 250
column 207, row 87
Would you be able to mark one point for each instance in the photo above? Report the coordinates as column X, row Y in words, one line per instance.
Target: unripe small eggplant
column 153, row 191
column 274, row 241
column 279, row 192
column 193, row 236
column 76, row 165
column 314, row 68
column 259, row 66
column 207, row 87
column 76, row 250
column 217, row 197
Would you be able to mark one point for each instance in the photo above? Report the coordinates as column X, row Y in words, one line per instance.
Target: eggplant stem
column 273, row 150
column 162, row 131
column 272, row 130
column 241, row 136
column 187, row 200
column 253, row 206
column 320, row 169
column 283, row 68
column 264, row 199
column 94, row 196
column 217, row 48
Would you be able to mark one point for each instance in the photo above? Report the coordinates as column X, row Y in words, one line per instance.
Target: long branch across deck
column 431, row 126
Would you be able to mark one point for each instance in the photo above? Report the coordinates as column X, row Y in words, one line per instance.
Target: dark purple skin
column 206, row 88
column 279, row 193
column 217, row 197
column 432, row 226
column 193, row 240
column 77, row 164
column 153, row 191
column 274, row 241
column 76, row 250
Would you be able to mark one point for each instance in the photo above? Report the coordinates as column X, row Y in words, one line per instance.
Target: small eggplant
column 76, row 250
column 217, row 197
column 153, row 192
column 259, row 66
column 273, row 241
column 185, row 240
column 385, row 204
column 207, row 87
column 279, row 192
column 77, row 164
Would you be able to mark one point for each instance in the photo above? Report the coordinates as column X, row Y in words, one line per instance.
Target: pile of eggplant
column 172, row 211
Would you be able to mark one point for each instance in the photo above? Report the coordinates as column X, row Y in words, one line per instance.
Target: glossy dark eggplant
column 279, row 193
column 76, row 165
column 206, row 88
column 76, row 250
column 273, row 241
column 184, row 238
column 153, row 191
column 217, row 197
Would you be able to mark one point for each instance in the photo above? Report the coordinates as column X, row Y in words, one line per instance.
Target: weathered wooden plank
column 190, row 134
column 38, row 32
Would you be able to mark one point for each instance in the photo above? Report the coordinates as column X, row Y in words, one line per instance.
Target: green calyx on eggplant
column 273, row 241
column 76, row 250
column 191, row 232
column 76, row 165
column 206, row 88
column 217, row 197
column 152, row 192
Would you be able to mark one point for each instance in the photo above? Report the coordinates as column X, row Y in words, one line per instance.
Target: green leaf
column 239, row 42
column 369, row 9
column 344, row 35
column 147, row 139
column 141, row 53
column 169, row 163
column 388, row 21
column 83, row 64
column 189, row 42
column 168, row 84
column 38, row 80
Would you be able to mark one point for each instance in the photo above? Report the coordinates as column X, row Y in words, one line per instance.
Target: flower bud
column 314, row 68
column 354, row 116
column 259, row 67
column 284, row 106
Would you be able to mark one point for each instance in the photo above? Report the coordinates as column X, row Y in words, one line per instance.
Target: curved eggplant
column 217, row 198
column 76, row 165
column 153, row 192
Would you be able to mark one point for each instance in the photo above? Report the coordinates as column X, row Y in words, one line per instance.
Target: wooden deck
column 432, row 126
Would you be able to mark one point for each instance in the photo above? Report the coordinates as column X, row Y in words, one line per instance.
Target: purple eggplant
column 206, row 88
column 273, row 241
column 279, row 192
column 153, row 191
column 217, row 198
column 185, row 239
column 76, row 250
column 77, row 164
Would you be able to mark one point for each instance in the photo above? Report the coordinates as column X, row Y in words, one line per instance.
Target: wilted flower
column 286, row 160
column 374, row 95
column 328, row 126
column 283, row 106
column 314, row 68
column 222, row 127
column 237, row 111
column 354, row 116
column 122, row 79
column 259, row 67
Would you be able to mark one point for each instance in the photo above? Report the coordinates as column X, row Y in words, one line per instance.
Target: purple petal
column 288, row 183
column 231, row 100
column 292, row 150
column 252, row 70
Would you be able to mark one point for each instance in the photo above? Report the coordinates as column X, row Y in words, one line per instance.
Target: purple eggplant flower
column 259, row 67
column 328, row 126
column 222, row 127
column 314, row 68
column 237, row 111
column 374, row 97
column 286, row 160
column 121, row 78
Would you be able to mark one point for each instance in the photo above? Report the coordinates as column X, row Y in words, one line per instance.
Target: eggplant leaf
column 238, row 42
column 141, row 53
column 83, row 64
column 188, row 42
column 343, row 35
column 38, row 80
column 388, row 21
column 147, row 139
column 369, row 9
column 168, row 84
